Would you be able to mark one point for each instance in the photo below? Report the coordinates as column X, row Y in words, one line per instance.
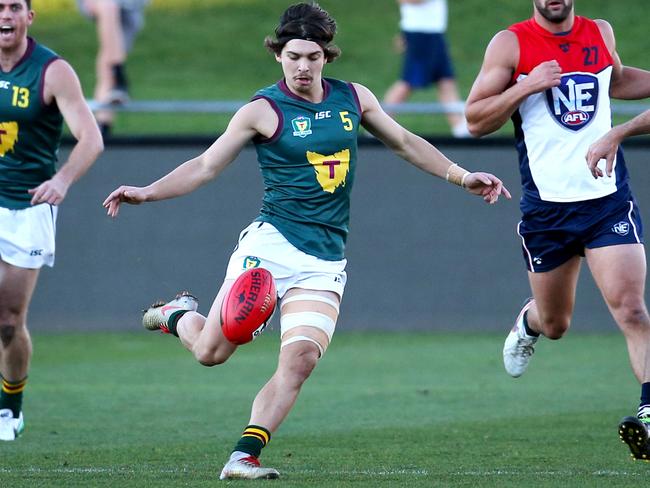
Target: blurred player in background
column 118, row 23
column 554, row 75
column 423, row 24
column 305, row 133
column 38, row 91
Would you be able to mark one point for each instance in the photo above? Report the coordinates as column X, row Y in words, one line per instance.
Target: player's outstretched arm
column 606, row 147
column 420, row 153
column 492, row 100
column 61, row 86
column 256, row 117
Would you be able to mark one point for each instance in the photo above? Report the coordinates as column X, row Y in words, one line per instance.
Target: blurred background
column 422, row 254
column 212, row 50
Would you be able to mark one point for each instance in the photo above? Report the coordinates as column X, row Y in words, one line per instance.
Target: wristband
column 456, row 175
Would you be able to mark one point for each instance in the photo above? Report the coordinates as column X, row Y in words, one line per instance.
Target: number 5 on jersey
column 347, row 121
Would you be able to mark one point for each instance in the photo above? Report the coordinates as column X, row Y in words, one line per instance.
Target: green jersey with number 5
column 308, row 166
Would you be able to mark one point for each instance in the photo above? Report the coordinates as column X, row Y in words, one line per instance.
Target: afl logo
column 573, row 104
column 578, row 117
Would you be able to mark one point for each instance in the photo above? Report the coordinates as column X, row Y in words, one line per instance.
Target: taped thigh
column 311, row 297
column 308, row 318
column 299, row 338
column 317, row 320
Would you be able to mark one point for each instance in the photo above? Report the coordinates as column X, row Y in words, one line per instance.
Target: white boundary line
column 352, row 472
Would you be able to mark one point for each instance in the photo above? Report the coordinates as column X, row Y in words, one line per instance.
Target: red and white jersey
column 555, row 128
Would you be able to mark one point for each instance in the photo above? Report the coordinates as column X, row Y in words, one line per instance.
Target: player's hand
column 604, row 148
column 486, row 185
column 544, row 76
column 127, row 194
column 52, row 191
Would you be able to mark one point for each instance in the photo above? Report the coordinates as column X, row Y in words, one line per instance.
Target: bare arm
column 634, row 84
column 492, row 101
column 420, row 153
column 607, row 145
column 627, row 83
column 62, row 86
column 256, row 117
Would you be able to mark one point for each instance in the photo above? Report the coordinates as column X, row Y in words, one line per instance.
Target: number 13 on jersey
column 21, row 97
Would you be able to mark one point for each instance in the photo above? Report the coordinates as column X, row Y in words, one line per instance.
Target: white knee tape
column 321, row 321
column 306, row 297
column 304, row 338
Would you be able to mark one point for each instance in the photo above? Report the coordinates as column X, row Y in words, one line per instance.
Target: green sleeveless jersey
column 30, row 130
column 308, row 167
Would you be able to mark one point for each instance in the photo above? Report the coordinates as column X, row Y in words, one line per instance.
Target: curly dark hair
column 308, row 21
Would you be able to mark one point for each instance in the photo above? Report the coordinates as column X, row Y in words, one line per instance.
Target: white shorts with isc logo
column 262, row 245
column 27, row 236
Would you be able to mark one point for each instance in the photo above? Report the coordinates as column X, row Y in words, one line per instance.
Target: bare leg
column 620, row 273
column 398, row 92
column 275, row 400
column 549, row 314
column 16, row 289
column 554, row 292
column 448, row 95
column 111, row 51
column 203, row 337
column 296, row 362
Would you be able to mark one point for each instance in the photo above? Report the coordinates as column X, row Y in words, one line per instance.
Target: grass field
column 212, row 49
column 389, row 409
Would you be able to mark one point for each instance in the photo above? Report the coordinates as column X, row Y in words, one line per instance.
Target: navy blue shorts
column 551, row 235
column 426, row 59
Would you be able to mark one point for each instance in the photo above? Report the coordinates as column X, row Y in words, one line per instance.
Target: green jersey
column 30, row 130
column 308, row 167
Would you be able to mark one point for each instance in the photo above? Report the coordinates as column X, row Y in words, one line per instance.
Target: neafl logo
column 574, row 102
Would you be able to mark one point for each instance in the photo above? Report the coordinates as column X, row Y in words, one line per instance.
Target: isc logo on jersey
column 574, row 102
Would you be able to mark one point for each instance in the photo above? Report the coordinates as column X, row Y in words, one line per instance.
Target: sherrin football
column 248, row 306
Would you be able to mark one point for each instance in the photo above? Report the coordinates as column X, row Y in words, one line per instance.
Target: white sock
column 460, row 130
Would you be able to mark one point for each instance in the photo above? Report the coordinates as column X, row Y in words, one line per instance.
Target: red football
column 248, row 306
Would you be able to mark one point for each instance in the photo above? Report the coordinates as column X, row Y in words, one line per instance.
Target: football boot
column 10, row 427
column 634, row 432
column 519, row 346
column 157, row 315
column 246, row 467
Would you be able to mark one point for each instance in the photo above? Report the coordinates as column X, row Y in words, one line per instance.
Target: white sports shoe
column 243, row 466
column 10, row 427
column 157, row 315
column 519, row 346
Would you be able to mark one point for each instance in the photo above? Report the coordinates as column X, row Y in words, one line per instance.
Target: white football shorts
column 262, row 245
column 27, row 236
